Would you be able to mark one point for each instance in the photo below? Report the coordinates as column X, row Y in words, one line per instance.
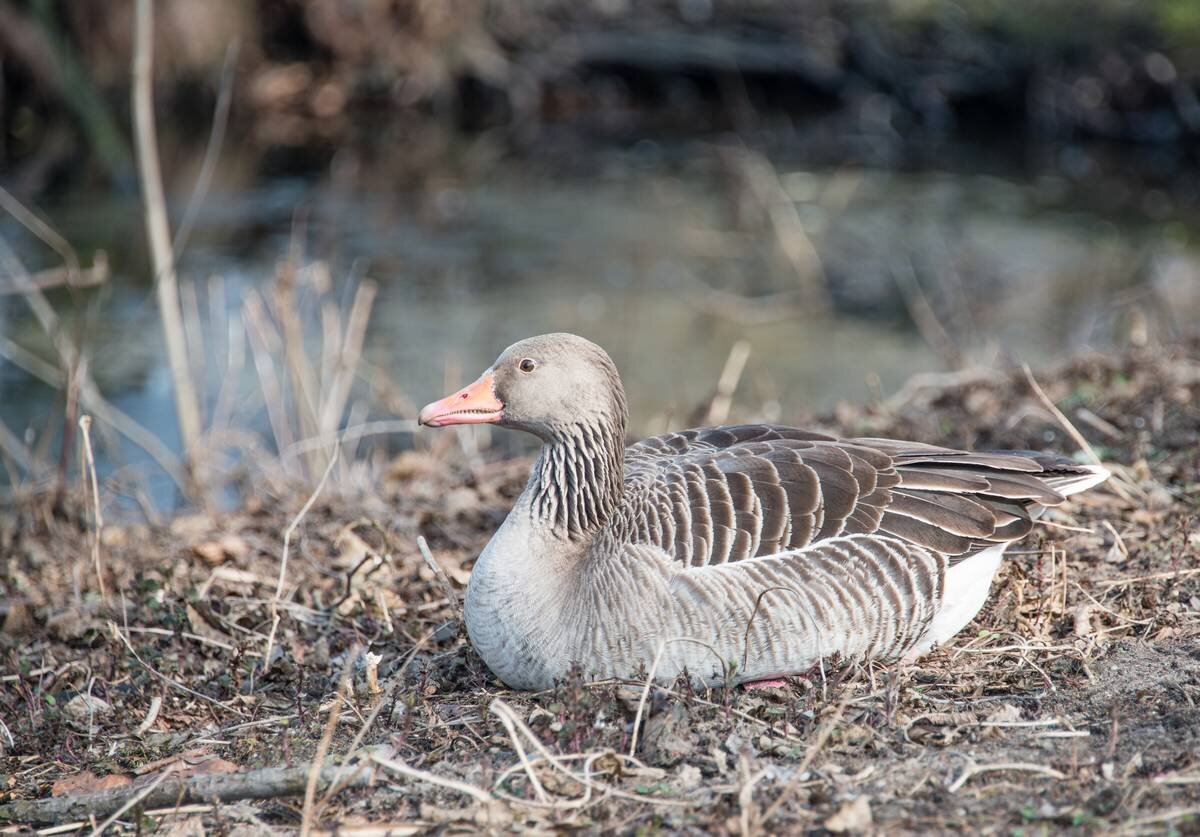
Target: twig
column 1070, row 429
column 265, row 783
column 85, row 425
column 439, row 573
column 556, row 762
column 173, row 683
column 379, row 704
column 637, row 718
column 287, row 543
column 1161, row 817
column 976, row 769
column 519, row 749
column 809, row 756
column 151, row 715
column 478, row 794
column 1124, row 582
column 314, row 773
column 1062, row 420
column 187, row 407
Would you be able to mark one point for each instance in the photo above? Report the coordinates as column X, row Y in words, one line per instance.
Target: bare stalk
column 187, row 407
column 85, row 425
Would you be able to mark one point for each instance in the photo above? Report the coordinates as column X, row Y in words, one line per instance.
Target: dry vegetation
column 1071, row 701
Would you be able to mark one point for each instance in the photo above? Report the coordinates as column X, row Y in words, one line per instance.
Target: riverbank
column 1070, row 701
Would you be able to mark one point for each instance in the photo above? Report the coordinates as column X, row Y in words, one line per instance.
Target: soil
column 1070, row 703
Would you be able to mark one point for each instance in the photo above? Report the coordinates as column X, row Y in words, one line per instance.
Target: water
column 622, row 252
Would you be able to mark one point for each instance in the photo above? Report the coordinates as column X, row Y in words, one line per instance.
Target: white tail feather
column 1074, row 483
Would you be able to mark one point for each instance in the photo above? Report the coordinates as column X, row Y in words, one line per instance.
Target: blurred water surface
column 667, row 262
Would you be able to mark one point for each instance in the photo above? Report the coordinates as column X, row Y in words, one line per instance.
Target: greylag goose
column 735, row 554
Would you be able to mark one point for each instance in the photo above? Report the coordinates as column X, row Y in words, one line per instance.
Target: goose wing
column 722, row 494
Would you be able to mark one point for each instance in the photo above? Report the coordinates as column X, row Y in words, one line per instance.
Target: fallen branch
column 266, row 783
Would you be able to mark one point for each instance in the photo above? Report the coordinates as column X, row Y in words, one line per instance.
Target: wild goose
column 738, row 553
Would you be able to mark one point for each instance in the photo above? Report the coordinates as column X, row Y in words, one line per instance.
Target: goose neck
column 578, row 479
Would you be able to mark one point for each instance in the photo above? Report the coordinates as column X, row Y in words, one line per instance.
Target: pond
column 666, row 259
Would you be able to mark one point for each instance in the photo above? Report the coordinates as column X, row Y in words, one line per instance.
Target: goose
column 733, row 554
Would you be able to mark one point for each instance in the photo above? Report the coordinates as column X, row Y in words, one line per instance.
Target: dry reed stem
column 287, row 543
column 352, row 432
column 212, row 149
column 70, row 361
column 187, row 406
column 790, row 233
column 1069, row 428
column 261, row 336
column 333, row 402
column 56, row 277
column 24, row 458
column 85, row 426
column 731, row 374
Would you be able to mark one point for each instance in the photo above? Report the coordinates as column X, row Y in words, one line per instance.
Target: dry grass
column 1070, row 702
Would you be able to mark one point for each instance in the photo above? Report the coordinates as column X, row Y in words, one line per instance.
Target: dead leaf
column 190, row 827
column 1005, row 714
column 81, row 707
column 88, row 782
column 209, row 552
column 235, row 547
column 190, row 528
column 16, row 618
column 852, row 816
column 203, row 627
column 209, row 767
column 194, row 755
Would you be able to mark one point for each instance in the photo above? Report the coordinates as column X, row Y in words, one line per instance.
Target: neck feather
column 578, row 479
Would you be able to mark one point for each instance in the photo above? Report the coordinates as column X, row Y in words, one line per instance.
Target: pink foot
column 776, row 683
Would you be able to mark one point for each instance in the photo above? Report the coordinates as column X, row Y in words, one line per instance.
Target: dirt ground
column 1070, row 704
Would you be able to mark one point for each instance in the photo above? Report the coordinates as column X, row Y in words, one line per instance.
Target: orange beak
column 474, row 404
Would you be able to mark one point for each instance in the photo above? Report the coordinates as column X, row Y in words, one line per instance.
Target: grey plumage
column 756, row 549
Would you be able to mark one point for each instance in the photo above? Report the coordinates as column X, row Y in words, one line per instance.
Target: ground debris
column 1072, row 699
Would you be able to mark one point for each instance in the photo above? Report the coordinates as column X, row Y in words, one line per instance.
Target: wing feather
column 722, row 494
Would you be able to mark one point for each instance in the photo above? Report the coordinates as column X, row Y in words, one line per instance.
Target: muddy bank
column 1071, row 701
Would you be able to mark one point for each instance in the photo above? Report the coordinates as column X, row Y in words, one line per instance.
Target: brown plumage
column 724, row 494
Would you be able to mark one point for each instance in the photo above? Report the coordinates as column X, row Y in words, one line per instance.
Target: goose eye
column 527, row 365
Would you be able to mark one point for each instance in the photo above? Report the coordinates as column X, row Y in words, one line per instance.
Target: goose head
column 551, row 386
